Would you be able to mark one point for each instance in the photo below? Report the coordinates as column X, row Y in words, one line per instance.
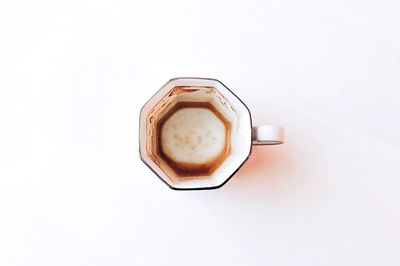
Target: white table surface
column 74, row 75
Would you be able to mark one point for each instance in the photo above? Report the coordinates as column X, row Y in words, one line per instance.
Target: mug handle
column 268, row 135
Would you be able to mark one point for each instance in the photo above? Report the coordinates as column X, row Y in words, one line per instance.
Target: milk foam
column 193, row 135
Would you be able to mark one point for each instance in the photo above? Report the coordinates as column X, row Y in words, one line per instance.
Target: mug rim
column 202, row 187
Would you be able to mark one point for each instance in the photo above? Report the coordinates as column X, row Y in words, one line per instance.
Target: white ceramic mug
column 242, row 134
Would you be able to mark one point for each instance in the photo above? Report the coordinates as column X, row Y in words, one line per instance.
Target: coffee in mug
column 193, row 137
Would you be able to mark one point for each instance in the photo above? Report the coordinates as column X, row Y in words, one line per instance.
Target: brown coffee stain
column 193, row 170
column 185, row 89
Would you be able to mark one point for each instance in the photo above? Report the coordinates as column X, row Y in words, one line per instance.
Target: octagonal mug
column 195, row 133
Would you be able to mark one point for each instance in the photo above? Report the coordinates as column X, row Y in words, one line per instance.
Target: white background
column 74, row 75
